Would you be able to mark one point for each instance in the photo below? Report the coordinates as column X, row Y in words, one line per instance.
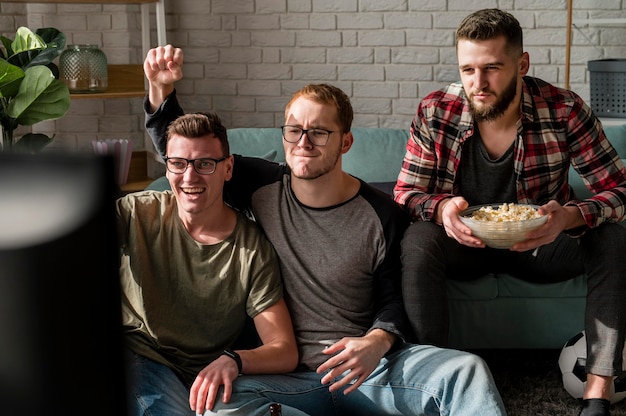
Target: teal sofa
column 493, row 312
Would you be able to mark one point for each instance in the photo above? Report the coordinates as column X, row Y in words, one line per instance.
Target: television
column 61, row 349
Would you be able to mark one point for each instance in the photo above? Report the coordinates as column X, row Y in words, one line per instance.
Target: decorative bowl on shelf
column 83, row 68
column 502, row 225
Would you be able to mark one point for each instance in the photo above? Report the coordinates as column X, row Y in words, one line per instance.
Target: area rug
column 530, row 383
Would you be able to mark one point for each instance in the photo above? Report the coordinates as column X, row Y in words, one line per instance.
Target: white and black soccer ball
column 572, row 365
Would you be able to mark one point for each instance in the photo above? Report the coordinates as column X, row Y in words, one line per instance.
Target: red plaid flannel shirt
column 556, row 129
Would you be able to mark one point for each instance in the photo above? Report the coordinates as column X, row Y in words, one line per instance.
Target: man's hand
column 356, row 356
column 203, row 393
column 162, row 67
column 448, row 215
column 560, row 218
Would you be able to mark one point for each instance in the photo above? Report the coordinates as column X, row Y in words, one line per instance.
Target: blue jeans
column 154, row 389
column 415, row 380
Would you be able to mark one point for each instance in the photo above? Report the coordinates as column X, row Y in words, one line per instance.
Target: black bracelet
column 232, row 354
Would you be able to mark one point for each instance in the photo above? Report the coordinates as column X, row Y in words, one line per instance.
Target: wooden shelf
column 138, row 178
column 136, row 185
column 124, row 81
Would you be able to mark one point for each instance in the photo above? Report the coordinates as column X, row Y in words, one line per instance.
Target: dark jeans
column 429, row 257
column 153, row 389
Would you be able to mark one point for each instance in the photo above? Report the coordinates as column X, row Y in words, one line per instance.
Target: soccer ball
column 572, row 365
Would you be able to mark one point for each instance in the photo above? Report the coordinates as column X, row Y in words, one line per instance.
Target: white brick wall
column 245, row 57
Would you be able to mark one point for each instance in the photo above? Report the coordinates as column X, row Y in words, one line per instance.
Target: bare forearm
column 278, row 357
column 279, row 352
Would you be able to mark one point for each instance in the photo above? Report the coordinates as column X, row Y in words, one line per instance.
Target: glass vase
column 83, row 68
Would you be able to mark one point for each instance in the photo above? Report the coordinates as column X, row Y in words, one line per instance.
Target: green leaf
column 53, row 37
column 55, row 43
column 26, row 40
column 30, row 91
column 40, row 97
column 6, row 42
column 10, row 79
column 30, row 49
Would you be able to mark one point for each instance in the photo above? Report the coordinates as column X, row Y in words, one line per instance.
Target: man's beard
column 492, row 112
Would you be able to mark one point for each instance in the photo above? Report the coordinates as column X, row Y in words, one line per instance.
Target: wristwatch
column 232, row 354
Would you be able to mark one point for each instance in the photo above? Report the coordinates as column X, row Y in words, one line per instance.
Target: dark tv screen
column 61, row 347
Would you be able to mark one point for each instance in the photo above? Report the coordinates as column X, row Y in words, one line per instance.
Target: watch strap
column 232, row 354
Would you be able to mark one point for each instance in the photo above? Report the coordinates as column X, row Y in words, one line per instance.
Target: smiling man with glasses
column 192, row 269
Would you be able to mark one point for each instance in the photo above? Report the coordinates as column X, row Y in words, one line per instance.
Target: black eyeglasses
column 317, row 137
column 203, row 166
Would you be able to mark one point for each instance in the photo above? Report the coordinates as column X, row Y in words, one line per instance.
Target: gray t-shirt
column 340, row 264
column 484, row 180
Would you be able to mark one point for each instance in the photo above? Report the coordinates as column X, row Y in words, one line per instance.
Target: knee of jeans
column 473, row 364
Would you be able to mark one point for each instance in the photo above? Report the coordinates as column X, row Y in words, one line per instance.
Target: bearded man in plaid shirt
column 502, row 136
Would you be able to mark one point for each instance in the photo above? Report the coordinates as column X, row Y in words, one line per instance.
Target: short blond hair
column 327, row 94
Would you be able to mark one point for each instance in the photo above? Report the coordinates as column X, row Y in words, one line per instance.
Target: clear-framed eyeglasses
column 317, row 137
column 203, row 166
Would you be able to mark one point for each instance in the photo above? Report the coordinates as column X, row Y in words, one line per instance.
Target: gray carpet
column 530, row 383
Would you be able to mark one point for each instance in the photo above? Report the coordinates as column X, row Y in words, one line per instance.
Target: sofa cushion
column 512, row 287
column 386, row 187
column 503, row 285
column 377, row 153
column 515, row 322
column 265, row 143
column 482, row 288
column 159, row 184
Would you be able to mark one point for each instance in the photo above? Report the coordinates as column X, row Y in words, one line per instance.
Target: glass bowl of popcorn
column 502, row 225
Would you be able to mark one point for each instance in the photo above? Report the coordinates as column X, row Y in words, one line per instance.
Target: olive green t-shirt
column 183, row 302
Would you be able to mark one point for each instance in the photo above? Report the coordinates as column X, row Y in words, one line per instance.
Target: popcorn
column 505, row 212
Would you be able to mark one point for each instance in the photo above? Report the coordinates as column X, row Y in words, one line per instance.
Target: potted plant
column 30, row 91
